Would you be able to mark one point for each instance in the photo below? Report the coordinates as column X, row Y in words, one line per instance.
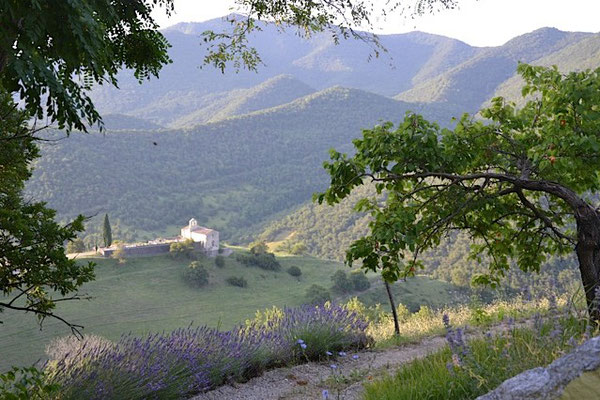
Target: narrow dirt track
column 307, row 381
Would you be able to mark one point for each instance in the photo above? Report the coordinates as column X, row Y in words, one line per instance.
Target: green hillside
column 471, row 83
column 230, row 175
column 150, row 295
column 276, row 91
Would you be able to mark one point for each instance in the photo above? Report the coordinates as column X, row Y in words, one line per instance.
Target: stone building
column 208, row 238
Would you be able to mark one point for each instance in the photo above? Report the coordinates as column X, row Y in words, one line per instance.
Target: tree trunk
column 588, row 255
column 393, row 305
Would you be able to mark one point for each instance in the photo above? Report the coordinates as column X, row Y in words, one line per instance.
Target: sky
column 476, row 22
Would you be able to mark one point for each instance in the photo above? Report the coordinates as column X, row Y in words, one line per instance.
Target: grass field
column 149, row 295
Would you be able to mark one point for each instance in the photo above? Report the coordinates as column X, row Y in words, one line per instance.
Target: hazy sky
column 477, row 22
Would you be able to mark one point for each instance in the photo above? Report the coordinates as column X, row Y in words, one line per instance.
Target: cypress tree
column 106, row 232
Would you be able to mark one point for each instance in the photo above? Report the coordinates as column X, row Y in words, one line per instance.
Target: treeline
column 328, row 232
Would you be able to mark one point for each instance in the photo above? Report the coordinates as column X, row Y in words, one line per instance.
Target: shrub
column 341, row 283
column 359, row 281
column 266, row 261
column 219, row 261
column 316, row 294
column 119, row 253
column 259, row 247
column 466, row 370
column 76, row 246
column 192, row 360
column 299, row 248
column 196, row 274
column 294, row 271
column 25, row 384
column 179, row 250
column 237, row 281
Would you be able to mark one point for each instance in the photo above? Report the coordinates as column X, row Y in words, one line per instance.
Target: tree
column 521, row 183
column 294, row 271
column 76, row 246
column 299, row 248
column 35, row 272
column 220, row 261
column 259, row 247
column 317, row 294
column 359, row 281
column 196, row 274
column 52, row 53
column 339, row 17
column 119, row 253
column 341, row 283
column 183, row 249
column 106, row 232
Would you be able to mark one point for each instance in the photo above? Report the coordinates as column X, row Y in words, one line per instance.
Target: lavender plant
column 192, row 360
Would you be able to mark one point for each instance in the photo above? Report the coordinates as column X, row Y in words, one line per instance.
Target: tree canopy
column 517, row 180
column 52, row 53
column 34, row 268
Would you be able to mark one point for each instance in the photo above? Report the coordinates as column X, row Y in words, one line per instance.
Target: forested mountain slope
column 471, row 83
column 230, row 174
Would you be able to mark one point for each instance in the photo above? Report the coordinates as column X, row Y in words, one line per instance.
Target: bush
column 258, row 248
column 294, row 271
column 359, row 281
column 191, row 360
column 237, row 281
column 219, row 261
column 316, row 294
column 76, row 246
column 196, row 274
column 266, row 261
column 466, row 370
column 341, row 283
column 25, row 384
column 179, row 250
column 299, row 248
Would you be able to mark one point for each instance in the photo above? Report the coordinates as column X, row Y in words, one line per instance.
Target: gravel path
column 307, row 381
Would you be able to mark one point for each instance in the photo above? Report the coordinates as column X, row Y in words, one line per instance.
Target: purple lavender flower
column 303, row 345
column 333, row 366
column 300, row 341
column 329, row 353
column 325, row 394
column 355, row 357
column 342, row 354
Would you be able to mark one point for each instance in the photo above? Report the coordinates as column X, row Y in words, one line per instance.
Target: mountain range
column 237, row 150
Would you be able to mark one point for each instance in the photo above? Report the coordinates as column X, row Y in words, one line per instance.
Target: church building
column 209, row 238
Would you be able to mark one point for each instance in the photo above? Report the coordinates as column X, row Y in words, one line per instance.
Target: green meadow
column 149, row 294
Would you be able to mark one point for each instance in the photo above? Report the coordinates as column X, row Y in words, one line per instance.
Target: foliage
column 468, row 369
column 54, row 53
column 294, row 271
column 75, row 246
column 119, row 253
column 359, row 281
column 339, row 17
column 106, row 232
column 196, row 274
column 341, row 283
column 191, row 360
column 220, row 261
column 266, row 261
column 239, row 192
column 237, row 281
column 299, row 248
column 258, row 248
column 33, row 266
column 317, row 294
column 180, row 250
column 25, row 384
column 517, row 192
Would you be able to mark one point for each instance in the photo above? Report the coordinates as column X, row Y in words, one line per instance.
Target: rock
column 549, row 383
